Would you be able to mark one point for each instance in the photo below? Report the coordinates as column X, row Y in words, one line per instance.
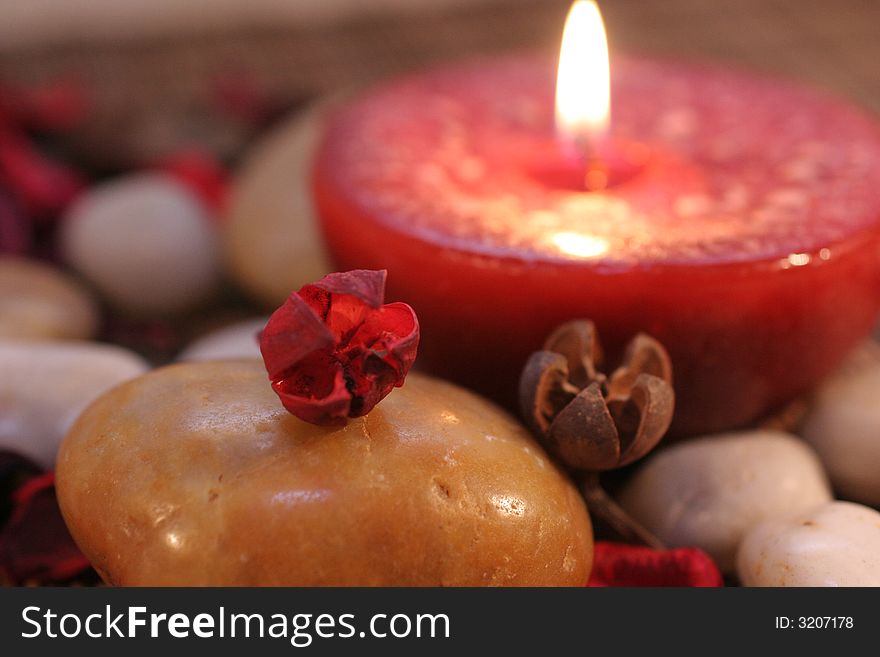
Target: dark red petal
column 42, row 186
column 159, row 339
column 326, row 407
column 15, row 470
column 55, row 106
column 241, row 97
column 618, row 564
column 15, row 235
column 342, row 313
column 365, row 284
column 392, row 335
column 292, row 332
column 35, row 545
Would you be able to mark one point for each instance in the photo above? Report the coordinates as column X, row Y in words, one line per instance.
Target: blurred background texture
column 153, row 67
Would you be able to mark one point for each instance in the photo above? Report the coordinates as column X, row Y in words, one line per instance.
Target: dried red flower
column 619, row 564
column 333, row 350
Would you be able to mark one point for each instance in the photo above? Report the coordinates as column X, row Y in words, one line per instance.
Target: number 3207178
column 815, row 622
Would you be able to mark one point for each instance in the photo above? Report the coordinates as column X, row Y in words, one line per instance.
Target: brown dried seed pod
column 586, row 415
column 579, row 343
column 643, row 418
column 589, row 422
column 644, row 355
column 544, row 389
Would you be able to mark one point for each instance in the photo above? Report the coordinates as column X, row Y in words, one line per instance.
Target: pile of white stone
column 762, row 503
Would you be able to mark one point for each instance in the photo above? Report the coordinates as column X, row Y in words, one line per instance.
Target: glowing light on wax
column 583, row 81
column 583, row 110
column 581, row 246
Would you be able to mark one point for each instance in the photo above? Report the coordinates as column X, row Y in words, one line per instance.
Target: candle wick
column 587, row 146
column 590, row 151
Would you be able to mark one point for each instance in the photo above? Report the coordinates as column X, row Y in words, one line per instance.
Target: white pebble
column 709, row 491
column 146, row 242
column 45, row 385
column 843, row 425
column 835, row 544
column 235, row 341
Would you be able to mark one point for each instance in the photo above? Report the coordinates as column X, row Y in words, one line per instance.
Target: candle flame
column 583, row 82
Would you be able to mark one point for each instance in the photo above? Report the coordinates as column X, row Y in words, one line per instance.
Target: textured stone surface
column 707, row 492
column 836, row 544
column 195, row 474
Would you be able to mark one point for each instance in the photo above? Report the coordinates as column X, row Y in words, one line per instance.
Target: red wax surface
column 748, row 243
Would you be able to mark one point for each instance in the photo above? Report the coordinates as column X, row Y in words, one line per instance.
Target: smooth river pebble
column 843, row 425
column 194, row 474
column 836, row 544
column 270, row 234
column 38, row 302
column 146, row 242
column 45, row 385
column 708, row 491
column 237, row 340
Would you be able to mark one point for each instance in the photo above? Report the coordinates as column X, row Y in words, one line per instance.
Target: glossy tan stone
column 38, row 302
column 195, row 474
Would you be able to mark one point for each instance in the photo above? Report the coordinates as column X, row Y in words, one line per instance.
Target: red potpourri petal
column 333, row 350
column 238, row 95
column 619, row 564
column 54, row 106
column 35, row 546
column 43, row 186
column 15, row 235
column 15, row 470
column 202, row 173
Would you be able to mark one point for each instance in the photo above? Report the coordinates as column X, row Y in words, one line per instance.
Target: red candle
column 738, row 223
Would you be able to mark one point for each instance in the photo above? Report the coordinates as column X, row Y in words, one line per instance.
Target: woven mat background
column 150, row 95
